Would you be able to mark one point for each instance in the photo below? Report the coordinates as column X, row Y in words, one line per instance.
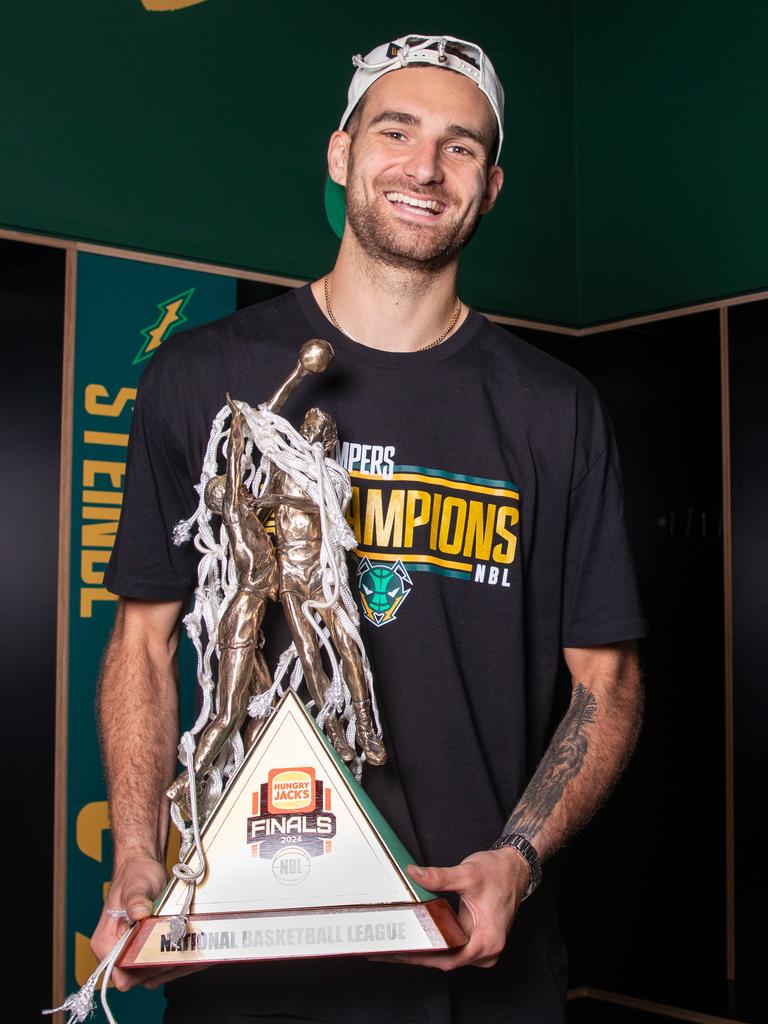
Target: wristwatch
column 528, row 852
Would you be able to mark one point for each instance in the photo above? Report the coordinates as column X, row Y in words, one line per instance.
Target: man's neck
column 389, row 308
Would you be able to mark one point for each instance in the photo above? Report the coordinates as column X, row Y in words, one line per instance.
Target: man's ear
column 338, row 157
column 493, row 183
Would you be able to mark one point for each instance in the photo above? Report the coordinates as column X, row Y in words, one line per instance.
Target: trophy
column 283, row 854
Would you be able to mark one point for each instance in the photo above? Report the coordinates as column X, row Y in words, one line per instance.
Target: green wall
column 202, row 132
column 635, row 152
column 672, row 153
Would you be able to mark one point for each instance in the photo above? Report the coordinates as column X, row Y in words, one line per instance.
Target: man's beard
column 402, row 246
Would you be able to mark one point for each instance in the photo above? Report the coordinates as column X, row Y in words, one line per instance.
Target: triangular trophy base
column 298, row 863
column 285, row 934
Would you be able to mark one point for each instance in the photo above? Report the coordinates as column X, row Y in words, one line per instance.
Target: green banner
column 125, row 311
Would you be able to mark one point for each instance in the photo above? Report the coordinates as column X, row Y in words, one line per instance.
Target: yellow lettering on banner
column 505, row 553
column 386, row 531
column 100, row 512
column 88, row 562
column 480, row 524
column 98, row 535
column 92, row 823
column 103, row 497
column 412, row 520
column 452, row 546
column 93, row 404
column 99, row 437
column 88, row 597
column 93, row 468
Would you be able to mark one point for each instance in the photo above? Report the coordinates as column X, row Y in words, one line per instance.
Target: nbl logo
column 383, row 588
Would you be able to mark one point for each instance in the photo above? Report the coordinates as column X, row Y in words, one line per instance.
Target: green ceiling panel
column 672, row 154
column 202, row 132
column 635, row 152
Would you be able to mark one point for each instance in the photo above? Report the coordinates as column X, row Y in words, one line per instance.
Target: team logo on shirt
column 291, row 822
column 383, row 587
column 408, row 518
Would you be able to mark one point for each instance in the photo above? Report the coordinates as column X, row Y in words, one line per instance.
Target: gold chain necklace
column 423, row 348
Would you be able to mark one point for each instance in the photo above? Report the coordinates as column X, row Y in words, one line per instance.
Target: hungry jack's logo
column 291, row 809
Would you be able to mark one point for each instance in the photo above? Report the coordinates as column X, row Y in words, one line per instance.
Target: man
column 488, row 496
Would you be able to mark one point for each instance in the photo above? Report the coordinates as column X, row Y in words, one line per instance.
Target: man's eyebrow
column 399, row 116
column 468, row 133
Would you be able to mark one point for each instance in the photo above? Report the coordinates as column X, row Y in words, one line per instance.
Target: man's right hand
column 138, row 711
column 135, row 886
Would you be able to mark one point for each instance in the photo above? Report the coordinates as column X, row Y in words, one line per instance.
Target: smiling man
column 488, row 511
column 416, row 184
column 417, row 154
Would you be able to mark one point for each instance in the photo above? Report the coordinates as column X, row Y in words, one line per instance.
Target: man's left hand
column 491, row 885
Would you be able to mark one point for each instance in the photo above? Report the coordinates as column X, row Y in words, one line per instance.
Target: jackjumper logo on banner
column 171, row 316
column 125, row 311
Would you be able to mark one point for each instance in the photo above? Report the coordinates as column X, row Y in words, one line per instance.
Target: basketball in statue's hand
column 315, row 355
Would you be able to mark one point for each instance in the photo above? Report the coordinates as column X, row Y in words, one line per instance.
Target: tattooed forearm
column 561, row 763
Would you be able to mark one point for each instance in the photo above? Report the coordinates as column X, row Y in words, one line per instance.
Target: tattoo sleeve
column 561, row 764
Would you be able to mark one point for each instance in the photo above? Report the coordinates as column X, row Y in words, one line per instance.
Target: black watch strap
column 517, row 842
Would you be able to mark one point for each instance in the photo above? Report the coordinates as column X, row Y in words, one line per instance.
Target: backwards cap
column 441, row 51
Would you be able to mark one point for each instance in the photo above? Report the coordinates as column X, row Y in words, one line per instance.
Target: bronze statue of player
column 242, row 668
column 298, row 538
column 295, row 573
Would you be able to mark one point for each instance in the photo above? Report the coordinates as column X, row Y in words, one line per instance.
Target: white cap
column 442, row 51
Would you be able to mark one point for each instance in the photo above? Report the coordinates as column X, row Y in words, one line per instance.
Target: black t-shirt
column 488, row 511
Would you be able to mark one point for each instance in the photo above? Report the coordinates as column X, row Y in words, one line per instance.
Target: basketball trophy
column 283, row 854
